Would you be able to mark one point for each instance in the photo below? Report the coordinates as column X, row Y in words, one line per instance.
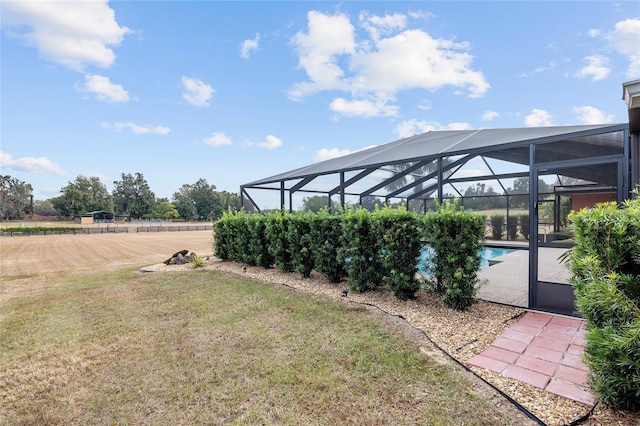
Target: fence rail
column 109, row 230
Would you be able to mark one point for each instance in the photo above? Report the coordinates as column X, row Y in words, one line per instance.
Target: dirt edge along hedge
column 606, row 275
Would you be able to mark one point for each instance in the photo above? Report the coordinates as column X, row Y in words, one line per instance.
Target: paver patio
column 544, row 351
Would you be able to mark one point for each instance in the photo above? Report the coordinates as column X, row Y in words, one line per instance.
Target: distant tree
column 42, row 205
column 481, row 197
column 231, row 201
column 132, row 196
column 83, row 195
column 201, row 201
column 521, row 186
column 15, row 198
column 165, row 210
column 370, row 203
column 315, row 203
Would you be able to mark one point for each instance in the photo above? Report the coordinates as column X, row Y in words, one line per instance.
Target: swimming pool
column 486, row 254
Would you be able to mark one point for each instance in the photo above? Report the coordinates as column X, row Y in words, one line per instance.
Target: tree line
column 131, row 197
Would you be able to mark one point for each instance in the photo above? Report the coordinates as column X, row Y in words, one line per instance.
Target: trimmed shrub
column 456, row 238
column 497, row 226
column 524, row 225
column 361, row 251
column 221, row 237
column 399, row 233
column 512, row 227
column 258, row 244
column 277, row 225
column 229, row 230
column 606, row 274
column 326, row 235
column 300, row 243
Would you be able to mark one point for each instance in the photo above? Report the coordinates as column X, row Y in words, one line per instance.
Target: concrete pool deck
column 508, row 279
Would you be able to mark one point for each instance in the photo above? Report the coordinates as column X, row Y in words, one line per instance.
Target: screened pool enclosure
column 529, row 177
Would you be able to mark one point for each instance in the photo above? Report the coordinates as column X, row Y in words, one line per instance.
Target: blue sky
column 236, row 91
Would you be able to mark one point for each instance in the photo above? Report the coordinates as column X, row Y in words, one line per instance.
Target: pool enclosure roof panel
column 431, row 145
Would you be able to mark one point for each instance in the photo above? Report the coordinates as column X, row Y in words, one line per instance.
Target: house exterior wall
column 581, row 201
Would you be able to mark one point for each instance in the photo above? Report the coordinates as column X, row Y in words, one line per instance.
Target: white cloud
column 249, row 45
column 75, row 34
column 329, row 153
column 490, row 115
column 363, row 108
column 624, row 39
column 545, row 68
column 328, row 37
column 415, row 127
column 196, row 92
column 137, row 129
column 590, row 115
column 597, row 68
column 103, row 89
column 368, row 68
column 538, row 118
column 382, row 25
column 217, row 139
column 30, row 164
column 271, row 142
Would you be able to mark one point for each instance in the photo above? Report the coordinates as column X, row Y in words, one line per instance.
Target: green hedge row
column 43, row 229
column 606, row 274
column 367, row 248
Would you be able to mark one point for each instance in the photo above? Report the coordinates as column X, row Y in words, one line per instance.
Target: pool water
column 486, row 254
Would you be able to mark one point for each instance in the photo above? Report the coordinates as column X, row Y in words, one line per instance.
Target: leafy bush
column 258, row 244
column 456, row 238
column 300, row 243
column 42, row 229
column 361, row 250
column 512, row 227
column 277, row 225
column 326, row 235
column 399, row 234
column 606, row 274
column 497, row 226
column 222, row 236
column 524, row 225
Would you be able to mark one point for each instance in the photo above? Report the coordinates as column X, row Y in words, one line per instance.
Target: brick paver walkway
column 542, row 350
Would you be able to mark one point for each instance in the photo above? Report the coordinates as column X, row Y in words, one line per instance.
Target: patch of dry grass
column 208, row 348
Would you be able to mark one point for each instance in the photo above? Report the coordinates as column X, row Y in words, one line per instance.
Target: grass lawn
column 208, row 348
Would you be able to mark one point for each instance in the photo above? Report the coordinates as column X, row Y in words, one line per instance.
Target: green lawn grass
column 207, row 348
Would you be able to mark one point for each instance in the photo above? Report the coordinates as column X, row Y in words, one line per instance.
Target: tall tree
column 15, row 198
column 315, row 203
column 165, row 210
column 42, row 205
column 197, row 201
column 201, row 201
column 231, row 201
column 132, row 196
column 83, row 195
